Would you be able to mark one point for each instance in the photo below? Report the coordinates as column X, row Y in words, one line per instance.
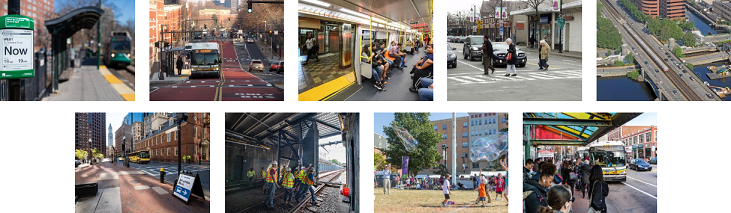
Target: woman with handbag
column 598, row 191
column 511, row 58
column 559, row 200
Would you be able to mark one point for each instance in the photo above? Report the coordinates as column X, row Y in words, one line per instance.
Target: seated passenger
column 376, row 66
column 426, row 92
column 423, row 68
column 402, row 56
column 395, row 52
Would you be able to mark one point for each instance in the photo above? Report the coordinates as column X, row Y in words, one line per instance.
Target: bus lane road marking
column 648, row 194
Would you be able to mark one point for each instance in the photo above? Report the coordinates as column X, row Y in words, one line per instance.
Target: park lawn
column 431, row 201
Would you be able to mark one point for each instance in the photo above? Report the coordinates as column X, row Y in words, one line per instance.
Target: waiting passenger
column 376, row 66
column 423, row 68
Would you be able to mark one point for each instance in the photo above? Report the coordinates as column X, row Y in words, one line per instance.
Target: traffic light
column 270, row 32
column 248, row 4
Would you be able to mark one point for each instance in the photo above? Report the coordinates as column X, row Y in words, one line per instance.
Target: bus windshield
column 144, row 154
column 609, row 158
column 204, row 59
column 121, row 46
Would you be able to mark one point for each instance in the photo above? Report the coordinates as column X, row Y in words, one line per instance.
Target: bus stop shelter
column 62, row 28
column 569, row 129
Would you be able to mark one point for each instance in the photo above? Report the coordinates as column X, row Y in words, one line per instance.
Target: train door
column 364, row 38
column 346, row 45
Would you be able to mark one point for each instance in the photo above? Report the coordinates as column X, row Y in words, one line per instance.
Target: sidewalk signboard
column 16, row 47
column 187, row 185
column 561, row 23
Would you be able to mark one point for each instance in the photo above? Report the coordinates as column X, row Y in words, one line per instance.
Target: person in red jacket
column 499, row 184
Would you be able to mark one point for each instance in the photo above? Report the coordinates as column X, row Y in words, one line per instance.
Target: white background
column 38, row 137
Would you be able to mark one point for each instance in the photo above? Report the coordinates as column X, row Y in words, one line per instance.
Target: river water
column 622, row 89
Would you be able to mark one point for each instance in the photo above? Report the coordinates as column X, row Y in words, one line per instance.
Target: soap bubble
column 409, row 142
column 489, row 148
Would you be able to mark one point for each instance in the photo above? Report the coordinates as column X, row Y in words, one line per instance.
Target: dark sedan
column 639, row 165
column 500, row 49
column 451, row 57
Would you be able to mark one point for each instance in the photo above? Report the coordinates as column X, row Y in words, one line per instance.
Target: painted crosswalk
column 154, row 169
column 498, row 77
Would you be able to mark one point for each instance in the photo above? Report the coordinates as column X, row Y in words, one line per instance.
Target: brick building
column 485, row 125
column 38, row 10
column 444, row 127
column 137, row 131
column 91, row 126
column 123, row 132
column 642, row 140
column 673, row 9
column 163, row 142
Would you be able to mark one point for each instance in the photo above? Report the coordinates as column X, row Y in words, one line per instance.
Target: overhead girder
column 541, row 142
column 566, row 122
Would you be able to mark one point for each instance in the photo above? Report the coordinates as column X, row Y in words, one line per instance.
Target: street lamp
column 91, row 162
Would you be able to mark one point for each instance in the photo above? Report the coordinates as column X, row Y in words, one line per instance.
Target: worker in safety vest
column 301, row 175
column 307, row 182
column 250, row 174
column 271, row 184
column 288, row 182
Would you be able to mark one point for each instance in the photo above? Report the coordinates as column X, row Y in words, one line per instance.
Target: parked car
column 277, row 66
column 461, row 39
column 500, row 49
column 451, row 57
column 256, row 64
column 653, row 160
column 639, row 165
column 78, row 163
column 449, row 38
column 472, row 48
column 249, row 40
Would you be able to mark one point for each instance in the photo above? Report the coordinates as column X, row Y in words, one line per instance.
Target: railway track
column 325, row 176
column 673, row 76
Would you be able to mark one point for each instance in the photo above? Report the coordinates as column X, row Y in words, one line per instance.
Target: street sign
column 16, row 49
column 545, row 153
column 187, row 185
column 479, row 22
column 561, row 22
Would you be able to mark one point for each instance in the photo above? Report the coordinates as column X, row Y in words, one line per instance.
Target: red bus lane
column 235, row 84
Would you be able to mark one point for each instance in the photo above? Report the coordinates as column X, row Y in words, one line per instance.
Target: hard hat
column 289, row 169
column 274, row 162
column 312, row 169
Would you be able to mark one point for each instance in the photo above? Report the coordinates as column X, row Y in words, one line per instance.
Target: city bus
column 205, row 59
column 118, row 50
column 611, row 156
column 140, row 157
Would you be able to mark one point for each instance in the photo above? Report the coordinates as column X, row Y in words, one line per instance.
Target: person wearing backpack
column 585, row 173
column 536, row 187
column 598, row 191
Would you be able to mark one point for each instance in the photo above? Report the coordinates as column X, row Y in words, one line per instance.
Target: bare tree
column 534, row 4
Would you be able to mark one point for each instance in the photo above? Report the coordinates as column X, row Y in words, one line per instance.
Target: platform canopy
column 68, row 24
column 570, row 129
column 262, row 128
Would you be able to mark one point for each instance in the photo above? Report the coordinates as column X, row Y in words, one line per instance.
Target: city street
column 637, row 194
column 123, row 189
column 171, row 172
column 561, row 82
column 235, row 84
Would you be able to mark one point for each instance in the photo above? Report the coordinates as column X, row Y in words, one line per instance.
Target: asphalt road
column 248, row 51
column 171, row 172
column 637, row 194
column 235, row 84
column 561, row 82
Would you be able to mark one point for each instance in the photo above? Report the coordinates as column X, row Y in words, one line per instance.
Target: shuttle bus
column 118, row 50
column 140, row 157
column 205, row 59
column 611, row 156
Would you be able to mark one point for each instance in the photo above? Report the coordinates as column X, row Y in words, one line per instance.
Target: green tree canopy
column 678, row 52
column 630, row 58
column 426, row 154
column 608, row 36
column 379, row 161
column 689, row 39
column 618, row 63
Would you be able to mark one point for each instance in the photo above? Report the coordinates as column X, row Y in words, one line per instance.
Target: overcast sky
column 645, row 119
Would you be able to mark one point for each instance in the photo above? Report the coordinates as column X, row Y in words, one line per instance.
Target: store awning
column 70, row 23
column 571, row 129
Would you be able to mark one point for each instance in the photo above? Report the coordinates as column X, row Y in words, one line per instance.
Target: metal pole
column 180, row 121
column 99, row 40
column 454, row 145
column 560, row 31
column 14, row 93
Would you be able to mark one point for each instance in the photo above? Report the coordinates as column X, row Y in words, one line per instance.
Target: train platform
column 123, row 189
column 86, row 83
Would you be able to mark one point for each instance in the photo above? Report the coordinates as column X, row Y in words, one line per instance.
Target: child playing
column 445, row 189
column 499, row 184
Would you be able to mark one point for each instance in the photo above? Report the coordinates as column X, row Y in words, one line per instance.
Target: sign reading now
column 16, row 52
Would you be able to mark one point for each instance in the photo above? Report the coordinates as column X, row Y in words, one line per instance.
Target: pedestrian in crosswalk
column 543, row 59
column 487, row 55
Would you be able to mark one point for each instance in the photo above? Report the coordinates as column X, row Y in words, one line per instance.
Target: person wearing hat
column 487, row 55
column 271, row 184
column 288, row 182
column 307, row 184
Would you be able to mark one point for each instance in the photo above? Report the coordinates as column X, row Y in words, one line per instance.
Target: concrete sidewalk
column 266, row 50
column 173, row 79
column 89, row 84
column 123, row 189
column 554, row 52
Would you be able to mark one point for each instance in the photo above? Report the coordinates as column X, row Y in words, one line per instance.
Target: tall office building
column 90, row 132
